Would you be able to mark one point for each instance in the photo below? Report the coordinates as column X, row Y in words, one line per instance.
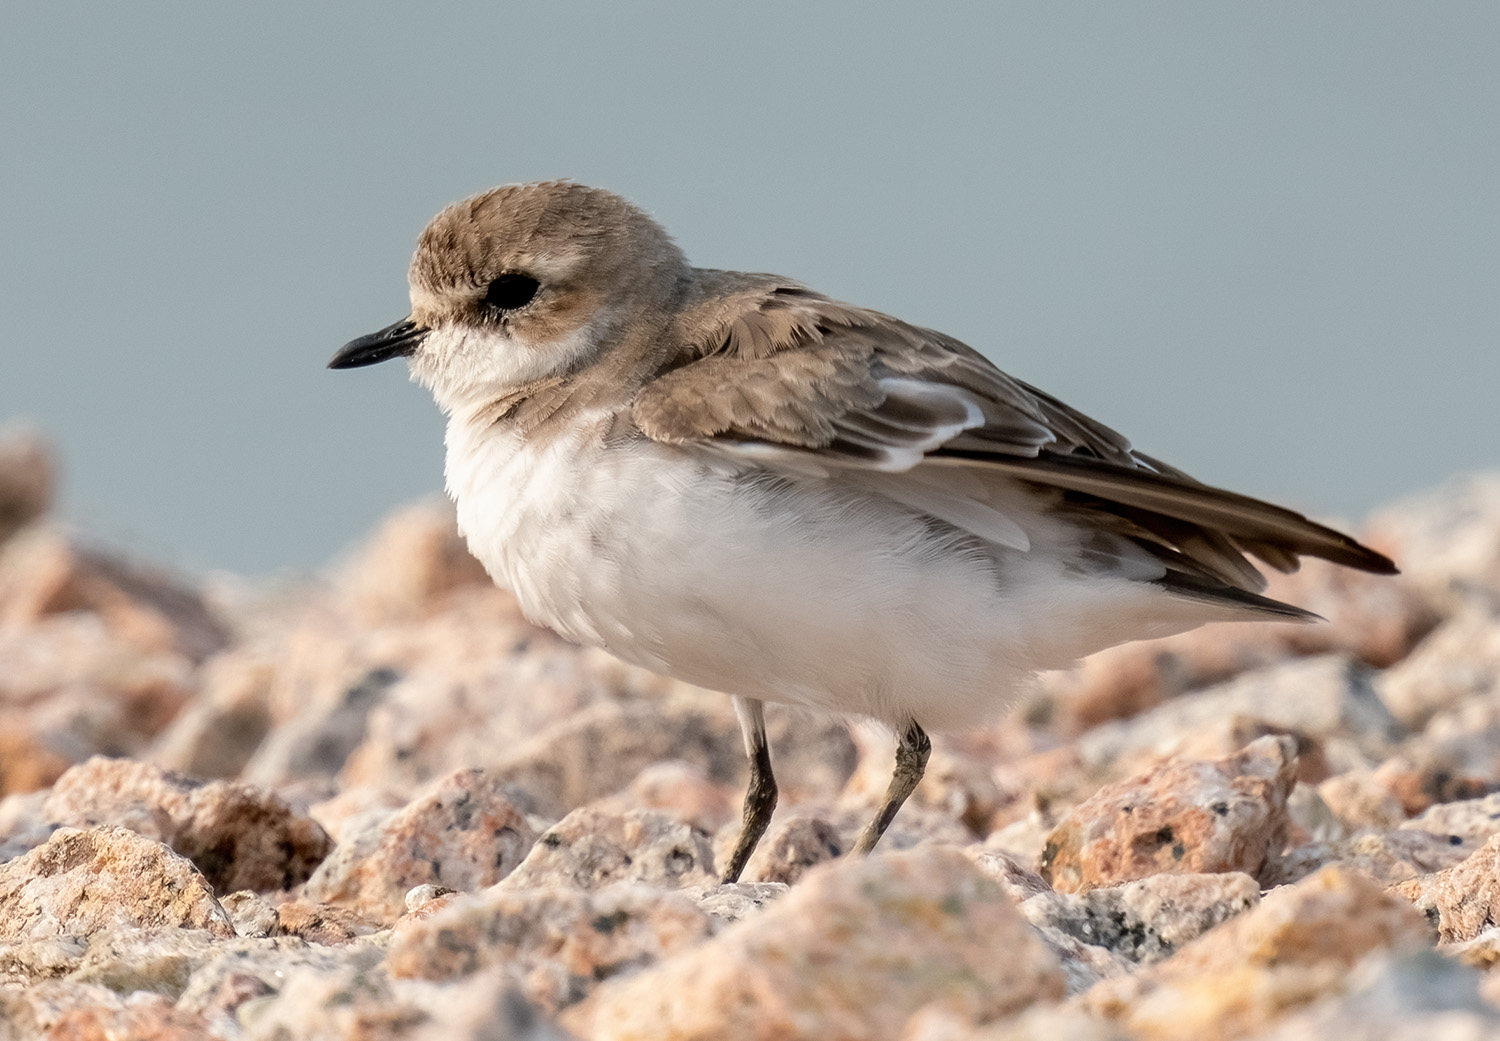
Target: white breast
column 807, row 590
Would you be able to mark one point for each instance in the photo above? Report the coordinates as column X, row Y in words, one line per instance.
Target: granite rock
column 856, row 949
column 27, row 477
column 467, row 831
column 82, row 881
column 554, row 944
column 1462, row 900
column 590, row 849
column 1148, row 920
column 240, row 836
column 1189, row 816
column 1298, row 945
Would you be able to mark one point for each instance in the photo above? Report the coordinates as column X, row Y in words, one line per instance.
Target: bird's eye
column 509, row 292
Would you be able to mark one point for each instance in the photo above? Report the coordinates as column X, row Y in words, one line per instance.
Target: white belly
column 799, row 590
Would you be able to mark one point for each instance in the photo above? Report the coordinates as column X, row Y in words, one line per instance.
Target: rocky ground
column 383, row 806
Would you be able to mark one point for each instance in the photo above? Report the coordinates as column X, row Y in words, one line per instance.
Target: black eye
column 509, row 292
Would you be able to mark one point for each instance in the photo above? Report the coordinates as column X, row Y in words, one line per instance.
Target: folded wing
column 770, row 370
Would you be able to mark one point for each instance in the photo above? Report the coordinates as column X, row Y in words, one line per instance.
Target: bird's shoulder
column 763, row 357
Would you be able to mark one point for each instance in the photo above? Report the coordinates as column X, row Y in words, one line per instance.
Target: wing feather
column 767, row 369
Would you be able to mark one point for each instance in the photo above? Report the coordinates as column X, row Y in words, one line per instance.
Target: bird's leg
column 760, row 797
column 911, row 761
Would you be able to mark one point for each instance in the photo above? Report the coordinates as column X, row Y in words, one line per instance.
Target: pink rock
column 84, row 881
column 218, row 731
column 790, row 848
column 26, row 479
column 1146, row 921
column 856, row 949
column 76, row 1012
column 1463, row 900
column 681, row 790
column 239, row 836
column 71, row 687
column 602, row 749
column 1018, row 879
column 1459, row 662
column 322, row 923
column 412, row 561
column 467, row 831
column 1372, row 618
column 1327, row 698
column 1187, row 816
column 1393, row 856
column 1299, row 944
column 1447, row 540
column 1470, row 819
column 46, row 573
column 555, row 944
column 590, row 849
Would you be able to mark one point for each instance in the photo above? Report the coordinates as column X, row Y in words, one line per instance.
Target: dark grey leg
column 760, row 797
column 911, row 761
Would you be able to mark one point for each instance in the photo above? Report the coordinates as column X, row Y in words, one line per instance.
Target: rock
column 681, row 790
column 1296, row 946
column 44, row 573
column 322, row 923
column 1447, row 540
column 26, row 479
column 350, row 998
column 71, row 688
column 1393, row 998
column 252, row 914
column 1186, row 816
column 83, row 881
column 1373, row 619
column 420, row 898
column 1403, row 854
column 23, row 825
column 589, row 849
column 1458, row 662
column 24, row 962
column 556, row 945
column 129, row 958
column 788, row 849
column 242, row 975
column 1361, row 802
column 79, row 1012
column 732, row 901
column 1471, row 819
column 1148, row 920
column 319, row 742
column 239, row 836
column 412, row 561
column 1463, row 900
column 599, row 750
column 466, row 831
column 219, row 730
column 853, row 951
column 1328, row 697
column 1018, row 880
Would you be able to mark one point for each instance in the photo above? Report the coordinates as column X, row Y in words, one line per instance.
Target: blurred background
column 1261, row 240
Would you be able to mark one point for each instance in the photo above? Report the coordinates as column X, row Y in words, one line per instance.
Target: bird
column 732, row 479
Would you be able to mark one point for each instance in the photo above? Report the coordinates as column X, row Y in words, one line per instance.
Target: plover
column 735, row 480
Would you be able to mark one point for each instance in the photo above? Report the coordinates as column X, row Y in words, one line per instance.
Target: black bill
column 394, row 341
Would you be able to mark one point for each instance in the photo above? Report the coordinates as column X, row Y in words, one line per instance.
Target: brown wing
column 774, row 370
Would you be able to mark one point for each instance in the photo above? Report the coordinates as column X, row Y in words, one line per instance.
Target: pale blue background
column 1261, row 239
